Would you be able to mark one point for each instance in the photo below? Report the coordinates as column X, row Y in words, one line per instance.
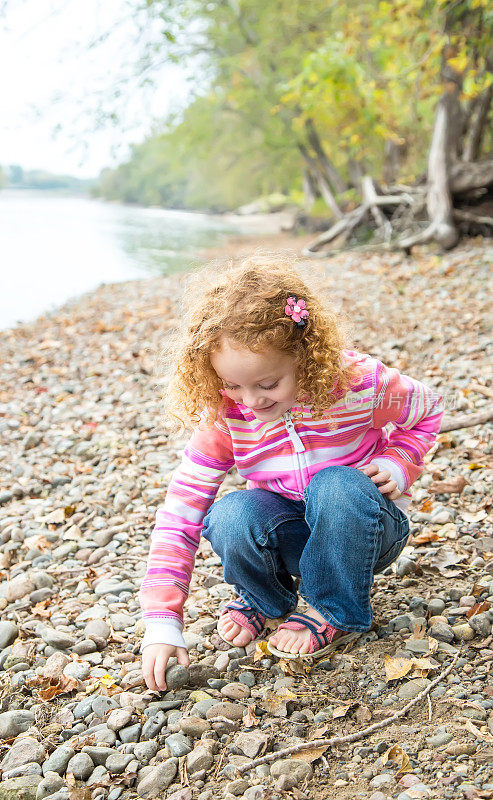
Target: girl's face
column 264, row 382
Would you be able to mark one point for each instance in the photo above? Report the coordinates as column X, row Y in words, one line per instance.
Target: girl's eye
column 270, row 387
column 229, row 387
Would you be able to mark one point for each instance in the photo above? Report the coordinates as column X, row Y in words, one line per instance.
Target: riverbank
column 85, row 460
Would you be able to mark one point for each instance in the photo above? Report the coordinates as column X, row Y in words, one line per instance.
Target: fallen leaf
column 276, row 703
column 424, row 537
column 340, row 711
column 249, row 719
column 295, row 666
column 471, row 727
column 399, row 757
column 363, row 714
column 261, row 651
column 451, row 485
column 310, row 755
column 478, row 608
column 396, row 668
column 426, row 505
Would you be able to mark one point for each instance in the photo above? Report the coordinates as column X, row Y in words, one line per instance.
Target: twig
column 430, row 709
column 466, row 420
column 478, row 387
column 352, row 737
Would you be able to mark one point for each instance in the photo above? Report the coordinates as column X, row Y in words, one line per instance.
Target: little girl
column 329, row 440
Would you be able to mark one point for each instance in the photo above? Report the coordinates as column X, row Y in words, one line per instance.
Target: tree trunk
column 310, row 192
column 394, row 154
column 325, row 163
column 322, row 183
column 476, row 130
column 439, row 200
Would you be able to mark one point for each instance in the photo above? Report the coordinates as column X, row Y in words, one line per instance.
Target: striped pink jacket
column 386, row 418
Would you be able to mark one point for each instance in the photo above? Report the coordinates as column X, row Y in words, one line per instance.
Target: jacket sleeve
column 176, row 535
column 415, row 412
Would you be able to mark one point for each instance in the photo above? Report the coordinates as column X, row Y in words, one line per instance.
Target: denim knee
column 337, row 483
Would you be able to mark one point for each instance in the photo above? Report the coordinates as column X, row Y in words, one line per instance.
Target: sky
column 55, row 87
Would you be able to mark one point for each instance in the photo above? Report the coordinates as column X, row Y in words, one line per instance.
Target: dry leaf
column 295, row 666
column 425, row 536
column 419, row 632
column 396, row 668
column 340, row 711
column 399, row 757
column 471, row 727
column 249, row 719
column 261, row 651
column 478, row 608
column 56, row 517
column 451, row 485
column 312, row 754
column 363, row 714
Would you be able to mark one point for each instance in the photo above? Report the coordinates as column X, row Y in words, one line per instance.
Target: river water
column 53, row 248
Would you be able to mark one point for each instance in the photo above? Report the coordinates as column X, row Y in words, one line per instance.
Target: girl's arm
column 416, row 412
column 176, row 535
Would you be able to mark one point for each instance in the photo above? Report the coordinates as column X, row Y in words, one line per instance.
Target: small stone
column 436, row 606
column 381, row 780
column 76, row 669
column 418, row 646
column 17, row 588
column 294, row 767
column 250, row 743
column 442, row 517
column 194, row 726
column 399, row 622
column 236, row 691
column 157, row 779
column 463, row 632
column 101, row 704
column 55, row 664
column 116, row 763
column 481, row 624
column 81, row 766
column 285, row 783
column 248, row 678
column 119, row 718
column 50, row 784
column 178, row 745
column 144, row 751
column 405, row 566
column 200, row 758
column 442, row 632
column 130, row 733
column 58, row 760
column 97, row 754
column 412, row 688
column 232, row 711
column 237, row 787
column 57, row 639
column 177, row 676
column 8, row 633
column 12, row 723
column 439, row 739
column 97, row 628
column 200, row 674
column 99, row 774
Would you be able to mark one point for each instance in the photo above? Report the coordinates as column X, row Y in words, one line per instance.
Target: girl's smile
column 264, row 382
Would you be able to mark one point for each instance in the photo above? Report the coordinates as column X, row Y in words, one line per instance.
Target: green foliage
column 363, row 77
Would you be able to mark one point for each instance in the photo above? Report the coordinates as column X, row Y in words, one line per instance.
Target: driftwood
column 466, row 420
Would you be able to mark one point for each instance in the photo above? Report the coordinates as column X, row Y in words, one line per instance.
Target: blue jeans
column 335, row 539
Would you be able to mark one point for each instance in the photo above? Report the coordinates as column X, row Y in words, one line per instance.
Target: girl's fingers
column 369, row 469
column 183, row 656
column 159, row 671
column 389, row 489
column 381, row 477
column 148, row 673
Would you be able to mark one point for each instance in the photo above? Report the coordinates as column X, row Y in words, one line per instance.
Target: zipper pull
column 298, row 444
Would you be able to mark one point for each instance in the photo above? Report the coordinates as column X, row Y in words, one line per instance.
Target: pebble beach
column 85, row 459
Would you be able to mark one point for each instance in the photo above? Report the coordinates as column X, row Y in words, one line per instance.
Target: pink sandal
column 246, row 616
column 324, row 638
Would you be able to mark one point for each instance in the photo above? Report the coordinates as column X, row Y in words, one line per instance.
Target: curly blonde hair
column 245, row 304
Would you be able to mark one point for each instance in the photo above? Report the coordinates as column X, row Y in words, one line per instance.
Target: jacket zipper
column 297, row 444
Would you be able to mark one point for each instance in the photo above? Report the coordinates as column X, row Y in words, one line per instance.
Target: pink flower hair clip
column 296, row 309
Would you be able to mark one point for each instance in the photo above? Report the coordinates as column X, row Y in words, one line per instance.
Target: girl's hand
column 382, row 480
column 154, row 660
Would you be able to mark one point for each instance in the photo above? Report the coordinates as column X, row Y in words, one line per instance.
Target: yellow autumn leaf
column 399, row 757
column 396, row 668
column 261, row 651
column 458, row 63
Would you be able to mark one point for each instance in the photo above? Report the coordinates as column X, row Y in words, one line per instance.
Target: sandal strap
column 252, row 616
column 320, row 632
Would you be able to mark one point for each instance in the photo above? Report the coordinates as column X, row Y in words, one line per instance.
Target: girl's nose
column 251, row 400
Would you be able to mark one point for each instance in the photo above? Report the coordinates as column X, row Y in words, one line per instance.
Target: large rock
column 8, row 633
column 198, row 759
column 24, row 751
column 12, row 723
column 23, row 788
column 158, row 779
